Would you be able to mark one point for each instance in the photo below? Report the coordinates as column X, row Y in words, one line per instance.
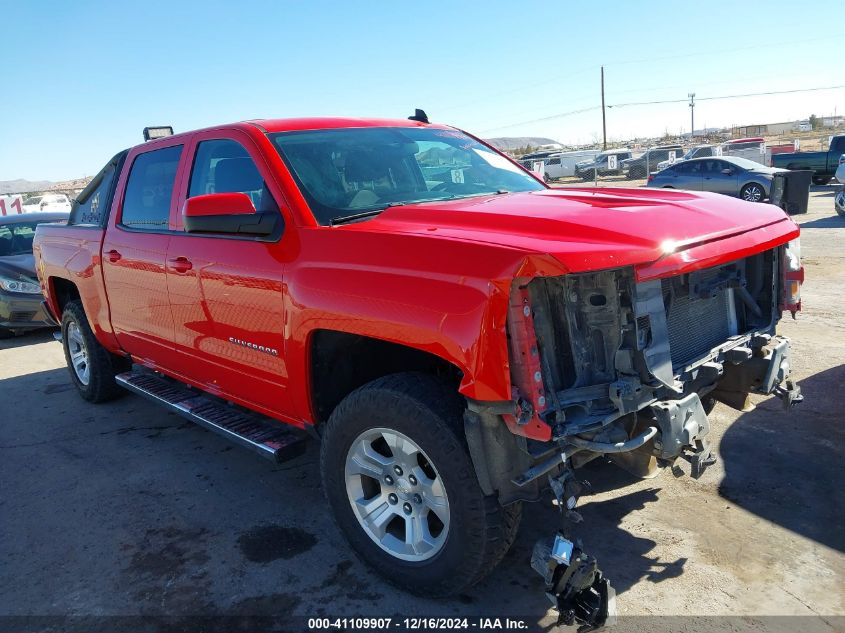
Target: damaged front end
column 618, row 357
column 604, row 364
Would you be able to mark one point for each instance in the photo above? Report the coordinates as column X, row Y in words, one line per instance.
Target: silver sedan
column 729, row 175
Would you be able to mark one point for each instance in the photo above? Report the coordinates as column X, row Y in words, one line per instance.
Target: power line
column 558, row 78
column 663, row 101
column 547, row 118
column 738, row 96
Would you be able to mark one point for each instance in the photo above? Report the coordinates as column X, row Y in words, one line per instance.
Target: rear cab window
column 92, row 206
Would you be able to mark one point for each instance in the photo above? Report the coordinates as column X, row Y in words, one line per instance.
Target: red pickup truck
column 459, row 335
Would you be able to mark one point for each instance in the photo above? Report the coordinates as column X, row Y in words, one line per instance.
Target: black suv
column 641, row 166
column 588, row 169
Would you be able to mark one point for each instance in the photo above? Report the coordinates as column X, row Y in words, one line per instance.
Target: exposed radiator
column 696, row 326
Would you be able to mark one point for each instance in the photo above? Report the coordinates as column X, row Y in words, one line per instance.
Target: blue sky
column 81, row 79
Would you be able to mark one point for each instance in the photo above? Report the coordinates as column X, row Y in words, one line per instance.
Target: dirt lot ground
column 122, row 509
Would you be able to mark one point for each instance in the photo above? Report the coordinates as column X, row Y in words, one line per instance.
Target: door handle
column 113, row 256
column 180, row 264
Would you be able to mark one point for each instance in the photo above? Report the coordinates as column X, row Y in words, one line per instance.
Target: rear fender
column 72, row 254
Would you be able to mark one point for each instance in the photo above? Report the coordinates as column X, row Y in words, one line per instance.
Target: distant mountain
column 39, row 186
column 507, row 143
column 23, row 186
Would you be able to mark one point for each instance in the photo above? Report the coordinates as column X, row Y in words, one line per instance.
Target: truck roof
column 306, row 123
column 322, row 123
column 311, row 123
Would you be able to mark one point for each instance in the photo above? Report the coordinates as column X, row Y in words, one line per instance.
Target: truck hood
column 588, row 229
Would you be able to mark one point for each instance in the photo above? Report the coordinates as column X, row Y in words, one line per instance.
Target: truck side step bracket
column 274, row 440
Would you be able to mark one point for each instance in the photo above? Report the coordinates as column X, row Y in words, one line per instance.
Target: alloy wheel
column 78, row 353
column 752, row 193
column 397, row 494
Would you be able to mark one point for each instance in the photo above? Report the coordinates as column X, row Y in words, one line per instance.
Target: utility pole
column 603, row 121
column 691, row 115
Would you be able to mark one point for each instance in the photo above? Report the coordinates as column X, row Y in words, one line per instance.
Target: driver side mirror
column 230, row 213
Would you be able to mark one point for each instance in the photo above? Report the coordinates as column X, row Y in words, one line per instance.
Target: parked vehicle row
column 641, row 166
column 699, row 151
column 600, row 164
column 556, row 165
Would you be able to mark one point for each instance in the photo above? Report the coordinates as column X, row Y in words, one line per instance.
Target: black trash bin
column 791, row 190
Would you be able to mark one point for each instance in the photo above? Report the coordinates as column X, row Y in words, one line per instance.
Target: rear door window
column 149, row 189
column 688, row 167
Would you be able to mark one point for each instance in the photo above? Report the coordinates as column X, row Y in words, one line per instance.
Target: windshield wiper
column 479, row 194
column 344, row 219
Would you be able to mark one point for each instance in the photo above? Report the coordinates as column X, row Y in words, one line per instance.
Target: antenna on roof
column 419, row 115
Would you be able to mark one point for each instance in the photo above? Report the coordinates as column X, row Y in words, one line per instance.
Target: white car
column 47, row 202
column 840, row 171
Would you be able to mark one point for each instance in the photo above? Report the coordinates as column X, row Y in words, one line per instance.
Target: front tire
column 752, row 192
column 92, row 368
column 820, row 180
column 400, row 481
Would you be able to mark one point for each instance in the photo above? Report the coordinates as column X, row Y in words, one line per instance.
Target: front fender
column 461, row 322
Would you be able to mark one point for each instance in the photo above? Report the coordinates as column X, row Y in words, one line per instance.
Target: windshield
column 16, row 239
column 349, row 171
column 32, row 201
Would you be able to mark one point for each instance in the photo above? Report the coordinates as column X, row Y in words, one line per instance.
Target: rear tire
column 820, row 180
column 397, row 426
column 92, row 368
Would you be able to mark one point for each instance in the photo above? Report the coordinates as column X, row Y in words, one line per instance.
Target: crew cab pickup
column 459, row 335
column 823, row 164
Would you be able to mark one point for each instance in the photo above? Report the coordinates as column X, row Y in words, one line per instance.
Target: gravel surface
column 124, row 509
